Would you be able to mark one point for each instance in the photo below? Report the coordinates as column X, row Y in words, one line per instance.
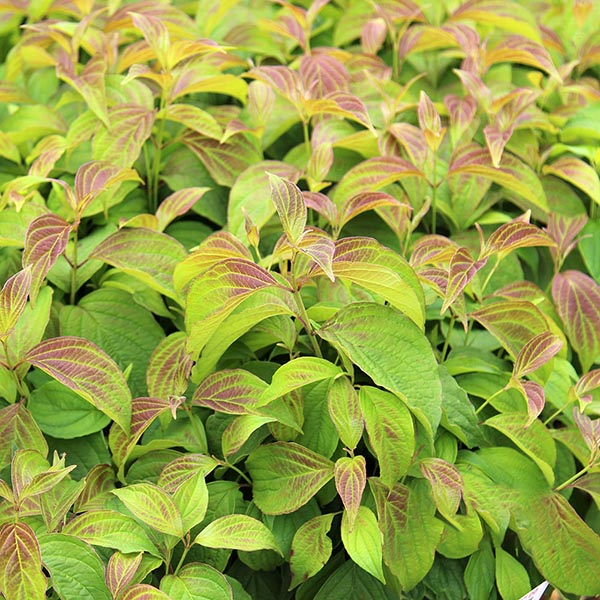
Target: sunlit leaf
column 169, row 367
column 120, row 571
column 196, row 581
column 579, row 173
column 84, row 368
column 462, row 269
column 288, row 200
column 536, row 352
column 446, row 485
column 350, row 481
column 13, row 300
column 193, row 118
column 345, row 412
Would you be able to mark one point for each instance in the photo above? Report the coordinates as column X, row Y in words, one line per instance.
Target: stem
column 74, row 265
column 154, row 175
column 303, row 314
column 186, row 549
column 306, row 139
column 556, row 413
column 577, row 475
column 447, row 340
column 22, row 390
column 434, row 195
column 494, row 395
column 238, row 471
column 395, row 56
column 490, row 274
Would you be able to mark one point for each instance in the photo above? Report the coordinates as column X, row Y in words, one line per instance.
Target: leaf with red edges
column 322, row 74
column 318, row 245
column 353, row 107
column 433, row 250
column 462, row 112
column 321, row 204
column 590, row 430
column 430, row 122
column 587, row 383
column 84, row 368
column 446, row 485
column 177, row 204
column 21, row 575
column 289, row 203
column 350, row 480
column 144, row 591
column 193, row 118
column 155, row 33
column 577, row 172
column 361, row 203
column 535, row 396
column 13, row 300
column 230, row 391
column 182, row 468
column 563, row 229
column 344, row 410
column 516, row 234
column 120, row 571
column 282, row 79
column 169, row 367
column 496, row 139
column 461, row 271
column 46, row 239
column 373, row 35
column 577, row 300
column 18, row 430
column 535, row 353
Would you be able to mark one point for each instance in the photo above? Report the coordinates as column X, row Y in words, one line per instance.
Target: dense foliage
column 299, row 300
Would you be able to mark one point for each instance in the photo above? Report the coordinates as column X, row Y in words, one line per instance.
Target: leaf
column 512, row 174
column 147, row 255
column 345, row 412
column 350, row 480
column 577, row 300
column 364, row 541
column 462, row 270
column 318, row 245
column 88, row 371
column 311, row 548
column 75, row 568
column 18, row 430
column 365, row 262
column 535, row 396
column 153, row 506
column 21, row 575
column 512, row 322
column 177, row 204
column 238, row 532
column 286, row 476
column 110, row 529
column 282, row 79
column 288, row 200
column 214, row 295
column 231, row 391
column 46, row 239
column 120, row 571
column 144, row 591
column 391, row 432
column 295, row 374
column 534, row 440
column 178, row 470
column 535, row 353
column 371, row 175
column 197, row 582
column 239, row 430
column 13, row 300
column 511, row 576
column 514, row 235
column 169, row 367
column 577, row 172
column 191, row 500
column 410, row 530
column 391, row 349
column 194, row 118
column 364, row 202
column 446, row 485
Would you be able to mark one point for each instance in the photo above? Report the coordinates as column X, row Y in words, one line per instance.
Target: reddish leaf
column 46, row 239
column 322, row 204
column 18, row 430
column 535, row 397
column 216, row 247
column 461, row 271
column 535, row 353
column 363, row 202
column 462, row 112
column 21, row 575
column 577, row 300
column 283, row 80
column 446, row 484
column 433, row 250
column 519, row 49
column 230, row 391
column 98, row 483
column 144, row 591
column 184, row 467
column 373, row 174
column 84, row 368
column 322, row 74
column 373, row 35
column 476, row 89
column 177, row 204
column 430, row 122
column 352, row 106
column 318, row 245
column 288, row 200
column 413, row 140
column 519, row 233
column 155, row 33
column 193, row 118
column 512, row 322
column 590, row 430
column 344, row 410
column 563, row 229
column 169, row 367
column 13, row 300
column 496, row 139
column 350, row 481
column 577, row 172
column 588, row 382
column 319, row 163
column 120, row 571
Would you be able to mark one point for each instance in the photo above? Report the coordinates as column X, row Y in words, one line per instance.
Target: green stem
column 303, row 314
column 490, row 274
column 306, row 138
column 447, row 340
column 494, row 395
column 434, row 195
column 23, row 392
column 395, row 56
column 577, row 475
column 556, row 413
column 186, row 549
column 238, row 471
column 74, row 265
column 154, row 175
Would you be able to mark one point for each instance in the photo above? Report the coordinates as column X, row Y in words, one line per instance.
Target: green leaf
column 19, row 430
column 144, row 591
column 391, row 432
column 288, row 200
column 511, row 577
column 88, row 371
column 197, row 582
column 411, row 533
column 393, row 351
column 239, row 430
column 345, row 411
column 110, row 529
column 107, row 316
column 13, row 300
column 480, row 573
column 350, row 582
column 75, row 568
column 238, row 532
column 446, row 485
column 150, row 256
column 589, row 247
column 535, row 440
column 295, row 374
column 463, row 538
column 62, row 413
column 191, row 500
column 364, row 541
column 169, row 367
column 193, row 118
column 535, row 353
column 120, row 571
column 286, row 476
column 311, row 548
column 350, row 481
column 21, row 576
column 577, row 172
column 153, row 506
column 368, row 264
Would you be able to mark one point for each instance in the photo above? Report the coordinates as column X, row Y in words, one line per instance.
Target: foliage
column 299, row 300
